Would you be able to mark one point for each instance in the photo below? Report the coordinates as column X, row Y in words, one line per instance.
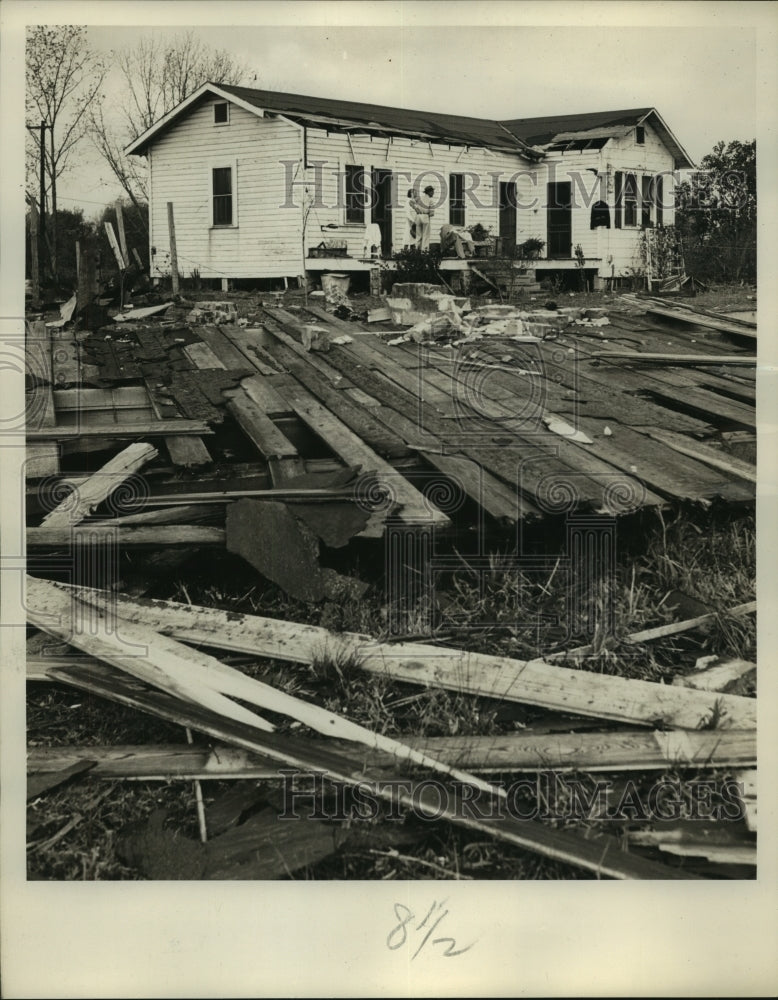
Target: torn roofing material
column 542, row 131
column 321, row 111
column 518, row 135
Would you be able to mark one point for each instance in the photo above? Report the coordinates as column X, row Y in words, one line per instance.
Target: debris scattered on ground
column 249, row 415
column 213, row 313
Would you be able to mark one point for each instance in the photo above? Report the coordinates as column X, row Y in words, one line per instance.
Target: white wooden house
column 262, row 183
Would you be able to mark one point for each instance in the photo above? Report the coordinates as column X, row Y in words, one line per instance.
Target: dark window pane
column 221, row 113
column 456, row 199
column 222, row 180
column 640, row 135
column 222, row 196
column 356, row 194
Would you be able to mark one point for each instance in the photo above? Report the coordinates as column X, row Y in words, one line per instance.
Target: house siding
column 592, row 175
column 264, row 241
column 413, row 162
column 267, row 239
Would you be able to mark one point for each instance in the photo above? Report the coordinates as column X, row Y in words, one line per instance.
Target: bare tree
column 63, row 78
column 156, row 76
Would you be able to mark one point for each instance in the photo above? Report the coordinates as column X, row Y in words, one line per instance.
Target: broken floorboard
column 700, row 319
column 100, row 485
column 605, row 751
column 532, row 682
column 602, row 855
column 102, row 534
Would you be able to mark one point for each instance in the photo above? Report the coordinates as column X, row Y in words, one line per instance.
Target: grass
column 706, row 556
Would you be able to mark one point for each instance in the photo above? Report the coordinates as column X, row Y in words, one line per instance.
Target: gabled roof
column 352, row 116
column 542, row 131
column 518, row 135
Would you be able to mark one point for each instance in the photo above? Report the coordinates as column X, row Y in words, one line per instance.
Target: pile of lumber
column 175, row 680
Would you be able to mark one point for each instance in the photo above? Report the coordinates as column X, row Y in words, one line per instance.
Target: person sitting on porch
column 454, row 240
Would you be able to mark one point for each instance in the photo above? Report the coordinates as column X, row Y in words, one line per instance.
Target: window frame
column 355, row 201
column 221, row 104
column 456, row 203
column 627, row 215
column 232, row 166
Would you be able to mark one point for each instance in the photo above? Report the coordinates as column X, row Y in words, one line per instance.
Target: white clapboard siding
column 265, row 154
column 415, row 162
column 266, row 240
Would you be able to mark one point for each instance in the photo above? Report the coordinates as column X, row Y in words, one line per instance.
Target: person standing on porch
column 425, row 213
column 411, row 217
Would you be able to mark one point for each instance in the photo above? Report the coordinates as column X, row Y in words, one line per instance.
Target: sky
column 702, row 77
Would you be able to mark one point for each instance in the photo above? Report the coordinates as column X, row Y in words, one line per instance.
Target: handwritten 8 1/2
column 406, row 932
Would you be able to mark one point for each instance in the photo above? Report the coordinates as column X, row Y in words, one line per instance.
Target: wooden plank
column 171, row 227
column 747, row 360
column 100, row 485
column 259, row 428
column 619, row 751
column 348, row 446
column 685, row 393
column 252, row 343
column 536, row 462
column 498, row 500
column 747, row 781
column 654, row 467
column 684, row 396
column 114, row 244
column 533, row 682
column 600, row 854
column 134, row 649
column 662, row 631
column 81, row 400
column 135, row 314
column 229, row 355
column 86, row 534
column 698, row 319
column 41, row 460
column 313, row 358
column 203, row 357
column 268, row 399
column 716, row 677
column 696, row 310
column 362, row 352
column 122, row 237
column 362, row 422
column 198, row 676
column 742, row 390
column 183, row 514
column 146, row 428
column 704, row 453
column 598, row 385
column 187, row 452
column 660, row 470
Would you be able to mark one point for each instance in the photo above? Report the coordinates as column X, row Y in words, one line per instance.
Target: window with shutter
column 659, row 198
column 646, row 200
column 618, row 209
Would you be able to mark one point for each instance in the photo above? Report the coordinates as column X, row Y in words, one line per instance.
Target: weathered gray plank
column 534, row 682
